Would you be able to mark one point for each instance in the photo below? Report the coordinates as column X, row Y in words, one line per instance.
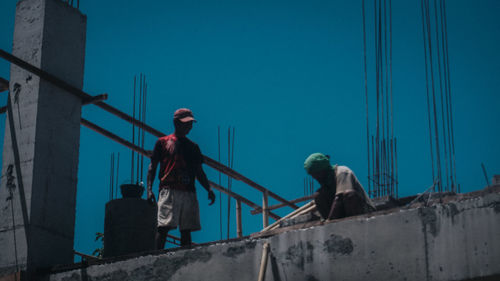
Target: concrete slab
column 454, row 240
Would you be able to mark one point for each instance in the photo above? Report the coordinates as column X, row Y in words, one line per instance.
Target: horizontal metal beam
column 46, row 76
column 232, row 173
column 96, row 99
column 241, row 198
column 114, row 137
column 277, row 206
column 86, row 98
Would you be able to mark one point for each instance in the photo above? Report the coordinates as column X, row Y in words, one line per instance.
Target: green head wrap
column 317, row 162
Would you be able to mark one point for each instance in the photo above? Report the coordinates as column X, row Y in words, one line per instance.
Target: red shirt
column 179, row 159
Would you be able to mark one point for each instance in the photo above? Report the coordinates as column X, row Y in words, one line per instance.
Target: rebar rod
column 427, row 89
column 133, row 134
column 117, row 173
column 366, row 95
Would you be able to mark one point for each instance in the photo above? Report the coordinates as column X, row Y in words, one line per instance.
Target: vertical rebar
column 144, row 107
column 228, row 180
column 220, row 184
column 366, row 95
column 485, row 174
column 452, row 135
column 117, row 174
column 110, row 177
column 141, row 83
column 396, row 165
column 427, row 91
column 133, row 135
column 112, row 170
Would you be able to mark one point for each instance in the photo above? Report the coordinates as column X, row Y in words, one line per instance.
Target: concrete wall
column 458, row 240
column 40, row 156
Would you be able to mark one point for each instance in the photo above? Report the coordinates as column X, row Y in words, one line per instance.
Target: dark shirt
column 179, row 159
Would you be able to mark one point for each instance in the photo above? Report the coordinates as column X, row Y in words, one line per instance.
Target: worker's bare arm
column 151, row 177
column 202, row 178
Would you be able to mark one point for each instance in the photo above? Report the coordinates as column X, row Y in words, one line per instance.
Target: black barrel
column 129, row 223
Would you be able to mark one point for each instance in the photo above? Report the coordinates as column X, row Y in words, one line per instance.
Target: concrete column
column 42, row 132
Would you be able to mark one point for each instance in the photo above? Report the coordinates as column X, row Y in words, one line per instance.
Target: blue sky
column 289, row 76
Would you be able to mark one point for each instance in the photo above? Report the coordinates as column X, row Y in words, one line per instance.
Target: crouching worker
column 341, row 194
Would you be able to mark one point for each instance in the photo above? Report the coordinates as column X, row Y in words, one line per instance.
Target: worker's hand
column 151, row 197
column 211, row 197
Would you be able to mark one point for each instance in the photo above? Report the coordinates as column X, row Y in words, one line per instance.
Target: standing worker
column 341, row 194
column 180, row 163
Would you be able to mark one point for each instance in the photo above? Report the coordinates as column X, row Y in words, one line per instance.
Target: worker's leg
column 161, row 237
column 353, row 204
column 185, row 237
column 168, row 215
column 189, row 216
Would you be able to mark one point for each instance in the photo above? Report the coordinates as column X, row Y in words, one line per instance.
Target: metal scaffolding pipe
column 86, row 98
column 240, row 198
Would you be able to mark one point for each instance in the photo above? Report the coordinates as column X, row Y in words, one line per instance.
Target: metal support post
column 265, row 210
column 239, row 228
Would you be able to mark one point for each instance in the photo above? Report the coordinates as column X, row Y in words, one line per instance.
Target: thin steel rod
column 485, row 174
column 440, row 75
column 143, row 134
column 449, row 91
column 139, row 109
column 133, row 135
column 220, row 183
column 436, row 129
column 366, row 94
column 377, row 77
column 427, row 89
column 110, row 177
column 446, row 90
column 396, row 172
column 112, row 171
column 117, row 173
column 390, row 85
column 228, row 180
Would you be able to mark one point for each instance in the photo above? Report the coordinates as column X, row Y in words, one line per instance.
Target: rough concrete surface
column 455, row 240
column 41, row 143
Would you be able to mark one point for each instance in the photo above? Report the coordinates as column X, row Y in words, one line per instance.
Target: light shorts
column 178, row 208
